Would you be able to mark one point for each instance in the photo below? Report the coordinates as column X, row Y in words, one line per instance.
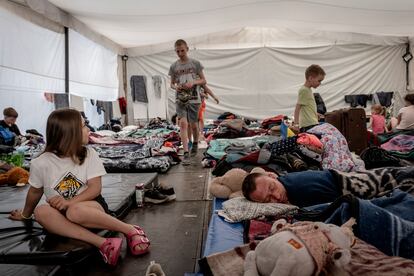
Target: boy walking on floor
column 306, row 115
column 186, row 79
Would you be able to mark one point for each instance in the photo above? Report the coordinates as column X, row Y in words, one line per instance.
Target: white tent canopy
column 133, row 23
column 254, row 52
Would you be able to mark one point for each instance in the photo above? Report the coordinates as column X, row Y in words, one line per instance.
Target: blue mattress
column 221, row 235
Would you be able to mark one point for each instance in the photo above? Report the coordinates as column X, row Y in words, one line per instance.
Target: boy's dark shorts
column 189, row 111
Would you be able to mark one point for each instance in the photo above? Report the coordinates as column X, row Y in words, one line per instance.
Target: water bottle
column 139, row 194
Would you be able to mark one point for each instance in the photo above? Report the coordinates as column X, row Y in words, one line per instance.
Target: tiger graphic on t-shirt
column 68, row 186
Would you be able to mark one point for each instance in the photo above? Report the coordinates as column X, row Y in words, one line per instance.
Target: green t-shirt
column 307, row 115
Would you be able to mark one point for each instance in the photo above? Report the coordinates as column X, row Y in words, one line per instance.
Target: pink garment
column 378, row 123
column 307, row 139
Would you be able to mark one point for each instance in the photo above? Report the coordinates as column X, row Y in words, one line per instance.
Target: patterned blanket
column 377, row 182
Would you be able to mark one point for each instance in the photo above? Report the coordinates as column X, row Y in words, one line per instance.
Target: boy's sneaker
column 186, row 159
column 194, row 149
column 154, row 196
column 169, row 192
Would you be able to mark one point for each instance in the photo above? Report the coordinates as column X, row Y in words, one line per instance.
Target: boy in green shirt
column 306, row 115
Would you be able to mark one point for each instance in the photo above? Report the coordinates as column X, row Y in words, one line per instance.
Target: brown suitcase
column 351, row 122
column 355, row 129
column 335, row 119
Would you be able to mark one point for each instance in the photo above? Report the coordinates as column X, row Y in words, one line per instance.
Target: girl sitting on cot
column 69, row 174
column 377, row 120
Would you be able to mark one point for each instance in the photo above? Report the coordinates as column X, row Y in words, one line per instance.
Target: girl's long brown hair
column 64, row 135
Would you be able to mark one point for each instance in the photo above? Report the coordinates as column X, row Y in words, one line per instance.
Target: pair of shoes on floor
column 154, row 269
column 169, row 192
column 158, row 195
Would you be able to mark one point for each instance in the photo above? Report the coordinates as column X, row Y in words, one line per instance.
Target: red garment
column 308, row 139
column 122, row 105
column 378, row 123
column 269, row 122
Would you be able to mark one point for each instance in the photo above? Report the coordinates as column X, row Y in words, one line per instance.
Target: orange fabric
column 202, row 110
column 307, row 139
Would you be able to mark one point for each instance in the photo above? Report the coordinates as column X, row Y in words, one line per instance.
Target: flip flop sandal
column 133, row 244
column 110, row 250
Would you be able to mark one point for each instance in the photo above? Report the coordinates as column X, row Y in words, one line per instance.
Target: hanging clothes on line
column 139, row 89
column 358, row 99
column 383, row 98
column 157, row 81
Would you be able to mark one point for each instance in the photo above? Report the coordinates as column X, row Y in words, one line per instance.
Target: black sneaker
column 194, row 149
column 154, row 196
column 186, row 159
column 170, row 193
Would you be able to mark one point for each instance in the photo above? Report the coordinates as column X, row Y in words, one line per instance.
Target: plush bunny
column 230, row 184
column 301, row 249
column 15, row 176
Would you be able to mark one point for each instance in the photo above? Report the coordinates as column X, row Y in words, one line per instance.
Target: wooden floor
column 176, row 229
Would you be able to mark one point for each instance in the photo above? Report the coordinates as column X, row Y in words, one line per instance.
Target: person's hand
column 295, row 128
column 180, row 88
column 16, row 215
column 188, row 85
column 59, row 203
column 217, row 100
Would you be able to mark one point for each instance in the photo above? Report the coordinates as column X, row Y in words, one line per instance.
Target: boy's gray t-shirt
column 187, row 72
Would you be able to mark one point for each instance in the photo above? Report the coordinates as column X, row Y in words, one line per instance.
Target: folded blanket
column 239, row 209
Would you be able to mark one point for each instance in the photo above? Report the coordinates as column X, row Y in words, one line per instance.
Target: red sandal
column 110, row 250
column 142, row 240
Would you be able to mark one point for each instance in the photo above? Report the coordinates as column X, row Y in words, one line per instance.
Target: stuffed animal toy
column 15, row 176
column 230, row 184
column 301, row 249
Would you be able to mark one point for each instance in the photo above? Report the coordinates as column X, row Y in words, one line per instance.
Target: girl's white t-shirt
column 61, row 176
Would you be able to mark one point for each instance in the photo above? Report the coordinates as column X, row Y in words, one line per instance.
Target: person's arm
column 16, row 130
column 174, row 85
column 32, row 199
column 399, row 119
column 370, row 122
column 208, row 91
column 90, row 193
column 296, row 115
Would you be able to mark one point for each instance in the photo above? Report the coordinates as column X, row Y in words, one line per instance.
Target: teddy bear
column 15, row 176
column 301, row 249
column 230, row 184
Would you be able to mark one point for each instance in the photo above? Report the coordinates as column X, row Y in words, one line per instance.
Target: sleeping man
column 382, row 205
column 309, row 188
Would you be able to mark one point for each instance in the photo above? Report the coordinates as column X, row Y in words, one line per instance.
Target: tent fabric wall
column 254, row 37
column 262, row 82
column 93, row 70
column 31, row 63
column 62, row 18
